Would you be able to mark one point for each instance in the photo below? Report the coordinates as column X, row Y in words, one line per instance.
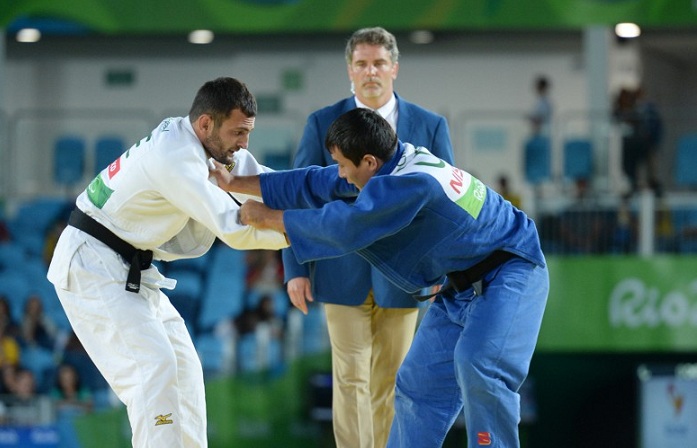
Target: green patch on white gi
column 473, row 200
column 98, row 192
column 460, row 186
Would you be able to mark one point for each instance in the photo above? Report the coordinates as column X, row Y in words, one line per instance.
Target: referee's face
column 373, row 73
column 223, row 141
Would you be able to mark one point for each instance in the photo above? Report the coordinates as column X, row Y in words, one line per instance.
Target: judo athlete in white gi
column 156, row 201
column 420, row 220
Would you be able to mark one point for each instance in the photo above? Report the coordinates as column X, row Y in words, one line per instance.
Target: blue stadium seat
column 186, row 296
column 16, row 287
column 103, row 398
column 578, row 159
column 248, row 353
column 90, row 376
column 223, row 295
column 11, row 254
column 537, row 160
column 69, row 160
column 189, row 284
column 278, row 160
column 315, row 337
column 33, row 219
column 686, row 162
column 281, row 302
column 42, row 364
column 106, row 150
column 280, row 299
column 210, row 350
column 197, row 264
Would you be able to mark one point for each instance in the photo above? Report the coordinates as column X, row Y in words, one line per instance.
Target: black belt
column 461, row 280
column 138, row 259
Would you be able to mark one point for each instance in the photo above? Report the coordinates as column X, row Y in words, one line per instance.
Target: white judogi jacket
column 158, row 196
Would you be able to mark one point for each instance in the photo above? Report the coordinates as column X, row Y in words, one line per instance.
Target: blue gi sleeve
column 386, row 205
column 309, row 187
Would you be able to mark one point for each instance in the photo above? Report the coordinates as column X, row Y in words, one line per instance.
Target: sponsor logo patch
column 114, row 168
column 483, row 438
column 163, row 420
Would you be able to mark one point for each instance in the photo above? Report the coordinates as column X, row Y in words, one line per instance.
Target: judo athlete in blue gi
column 419, row 221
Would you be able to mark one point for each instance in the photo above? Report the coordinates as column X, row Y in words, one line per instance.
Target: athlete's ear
column 205, row 122
column 373, row 162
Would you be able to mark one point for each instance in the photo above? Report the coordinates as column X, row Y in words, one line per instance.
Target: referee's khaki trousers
column 369, row 344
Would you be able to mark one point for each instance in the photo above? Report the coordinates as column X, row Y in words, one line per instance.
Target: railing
column 643, row 225
column 37, row 410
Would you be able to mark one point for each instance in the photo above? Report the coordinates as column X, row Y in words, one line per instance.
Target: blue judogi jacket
column 416, row 220
column 347, row 280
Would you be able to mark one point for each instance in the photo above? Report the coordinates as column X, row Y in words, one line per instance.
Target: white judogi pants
column 139, row 342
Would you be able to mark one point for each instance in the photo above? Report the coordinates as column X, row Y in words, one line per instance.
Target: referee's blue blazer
column 347, row 280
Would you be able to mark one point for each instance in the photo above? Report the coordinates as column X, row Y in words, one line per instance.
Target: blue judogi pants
column 474, row 352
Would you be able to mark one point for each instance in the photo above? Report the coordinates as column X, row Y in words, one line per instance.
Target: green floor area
column 267, row 409
column 578, row 398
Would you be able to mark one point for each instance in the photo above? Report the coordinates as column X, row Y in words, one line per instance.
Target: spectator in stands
column 268, row 317
column 7, row 322
column 263, row 314
column 4, row 231
column 641, row 127
column 25, row 384
column 624, row 233
column 264, row 271
column 503, row 188
column 8, row 378
column 74, row 353
column 38, row 330
column 541, row 115
column 53, row 233
column 582, row 228
column 652, row 127
column 25, row 406
column 68, row 393
column 666, row 238
column 246, row 322
column 9, row 349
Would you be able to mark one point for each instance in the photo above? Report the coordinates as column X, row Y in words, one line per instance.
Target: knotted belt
column 461, row 280
column 138, row 259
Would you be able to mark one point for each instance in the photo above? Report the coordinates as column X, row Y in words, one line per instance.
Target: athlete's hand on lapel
column 256, row 214
column 221, row 174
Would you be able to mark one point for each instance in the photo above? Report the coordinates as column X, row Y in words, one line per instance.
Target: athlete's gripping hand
column 221, row 174
column 256, row 214
column 300, row 293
